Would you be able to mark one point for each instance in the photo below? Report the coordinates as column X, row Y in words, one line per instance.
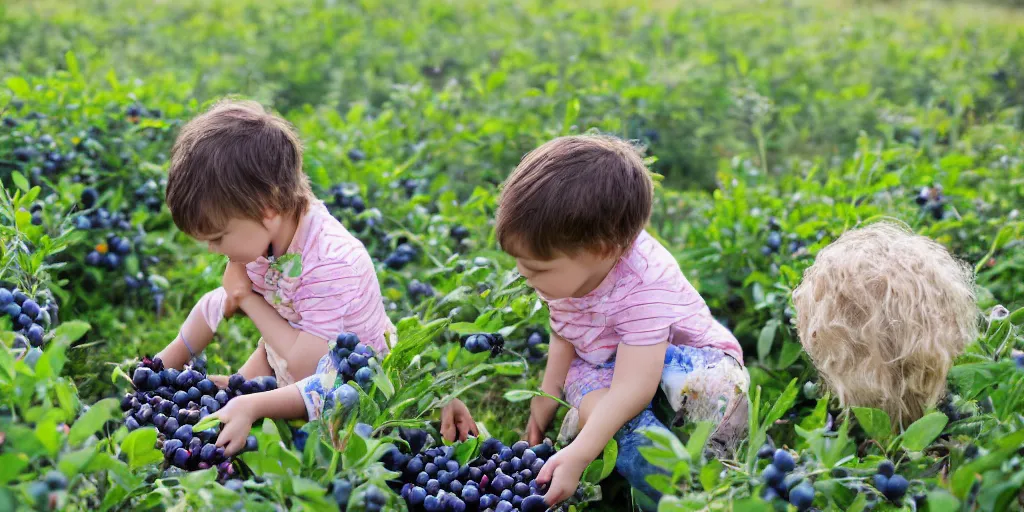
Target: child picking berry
column 624, row 319
column 236, row 183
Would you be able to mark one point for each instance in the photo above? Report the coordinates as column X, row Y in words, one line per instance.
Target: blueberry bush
column 771, row 127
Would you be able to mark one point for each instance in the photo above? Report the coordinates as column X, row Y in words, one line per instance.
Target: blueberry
column 475, row 474
column 452, row 466
column 194, row 394
column 422, row 478
column 506, row 495
column 364, row 375
column 347, row 340
column 432, row 504
column 13, row 310
column 416, row 496
column 364, row 430
column 502, row 482
column 221, row 397
column 30, row 308
column 235, row 381
column 772, row 475
column 251, row 444
column 414, row 466
column 35, row 335
column 171, row 446
column 342, row 491
column 504, row 506
column 5, row 297
column 488, row 501
column 180, row 398
column 186, row 379
column 881, row 482
column 356, row 155
column 455, row 486
column 207, row 453
column 506, row 454
column 111, row 261
column 207, row 387
column 181, row 457
column 433, row 486
column 887, row 468
column 783, row 461
column 431, row 469
column 802, row 496
column 141, row 376
column 345, row 396
column 209, row 403
column 184, row 433
column 521, row 489
column 24, row 320
column 520, row 447
column 896, row 488
column 533, row 503
column 170, row 426
column 445, row 478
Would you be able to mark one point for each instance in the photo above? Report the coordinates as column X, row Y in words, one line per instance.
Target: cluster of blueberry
column 173, row 401
column 477, row 343
column 352, row 360
column 781, row 482
column 501, row 479
column 29, row 319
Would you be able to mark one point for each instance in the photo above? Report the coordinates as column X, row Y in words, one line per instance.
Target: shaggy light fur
column 883, row 312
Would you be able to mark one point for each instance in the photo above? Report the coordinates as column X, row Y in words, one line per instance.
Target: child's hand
column 237, row 284
column 542, row 411
column 236, row 421
column 457, row 422
column 564, row 470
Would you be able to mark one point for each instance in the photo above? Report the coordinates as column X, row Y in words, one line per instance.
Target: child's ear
column 271, row 220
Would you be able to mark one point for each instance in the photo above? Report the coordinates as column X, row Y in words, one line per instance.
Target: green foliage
column 815, row 116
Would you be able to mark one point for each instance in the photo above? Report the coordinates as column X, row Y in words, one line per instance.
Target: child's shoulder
column 651, row 261
column 327, row 242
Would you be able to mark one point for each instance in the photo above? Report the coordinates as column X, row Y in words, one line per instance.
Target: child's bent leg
column 256, row 365
column 704, row 384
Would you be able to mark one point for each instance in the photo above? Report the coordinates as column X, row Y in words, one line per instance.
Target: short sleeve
column 316, row 389
column 646, row 315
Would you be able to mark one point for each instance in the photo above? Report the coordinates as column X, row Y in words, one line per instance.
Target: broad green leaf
column 875, row 422
column 698, row 439
column 19, row 86
column 609, row 456
column 765, row 339
column 140, row 448
column 19, row 180
column 11, row 465
column 710, row 474
column 92, row 421
column 923, row 431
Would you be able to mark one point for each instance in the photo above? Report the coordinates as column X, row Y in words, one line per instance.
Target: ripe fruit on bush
column 477, row 343
column 435, row 481
column 174, row 401
column 29, row 319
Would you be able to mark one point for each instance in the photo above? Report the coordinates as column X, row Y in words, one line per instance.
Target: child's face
column 241, row 240
column 566, row 276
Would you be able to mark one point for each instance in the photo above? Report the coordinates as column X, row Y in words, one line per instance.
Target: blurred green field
column 821, row 115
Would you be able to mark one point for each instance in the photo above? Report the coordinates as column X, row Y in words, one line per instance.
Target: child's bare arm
column 542, row 409
column 239, row 414
column 196, row 330
column 300, row 349
column 635, row 381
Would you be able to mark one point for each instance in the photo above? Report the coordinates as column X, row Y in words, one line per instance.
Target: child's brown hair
column 575, row 193
column 235, row 160
column 883, row 313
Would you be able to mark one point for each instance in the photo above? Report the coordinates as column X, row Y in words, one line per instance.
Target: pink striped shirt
column 644, row 300
column 337, row 290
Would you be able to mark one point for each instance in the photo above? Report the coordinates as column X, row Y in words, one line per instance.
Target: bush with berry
column 771, row 130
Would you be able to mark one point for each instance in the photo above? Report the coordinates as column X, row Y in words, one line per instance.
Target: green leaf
column 710, row 474
column 140, row 448
column 609, row 457
column 19, row 86
column 93, row 420
column 875, row 422
column 467, row 450
column 782, row 405
column 72, row 62
column 698, row 439
column 11, row 465
column 572, row 110
column 206, row 423
column 19, row 180
column 71, row 331
column 923, row 431
column 765, row 340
